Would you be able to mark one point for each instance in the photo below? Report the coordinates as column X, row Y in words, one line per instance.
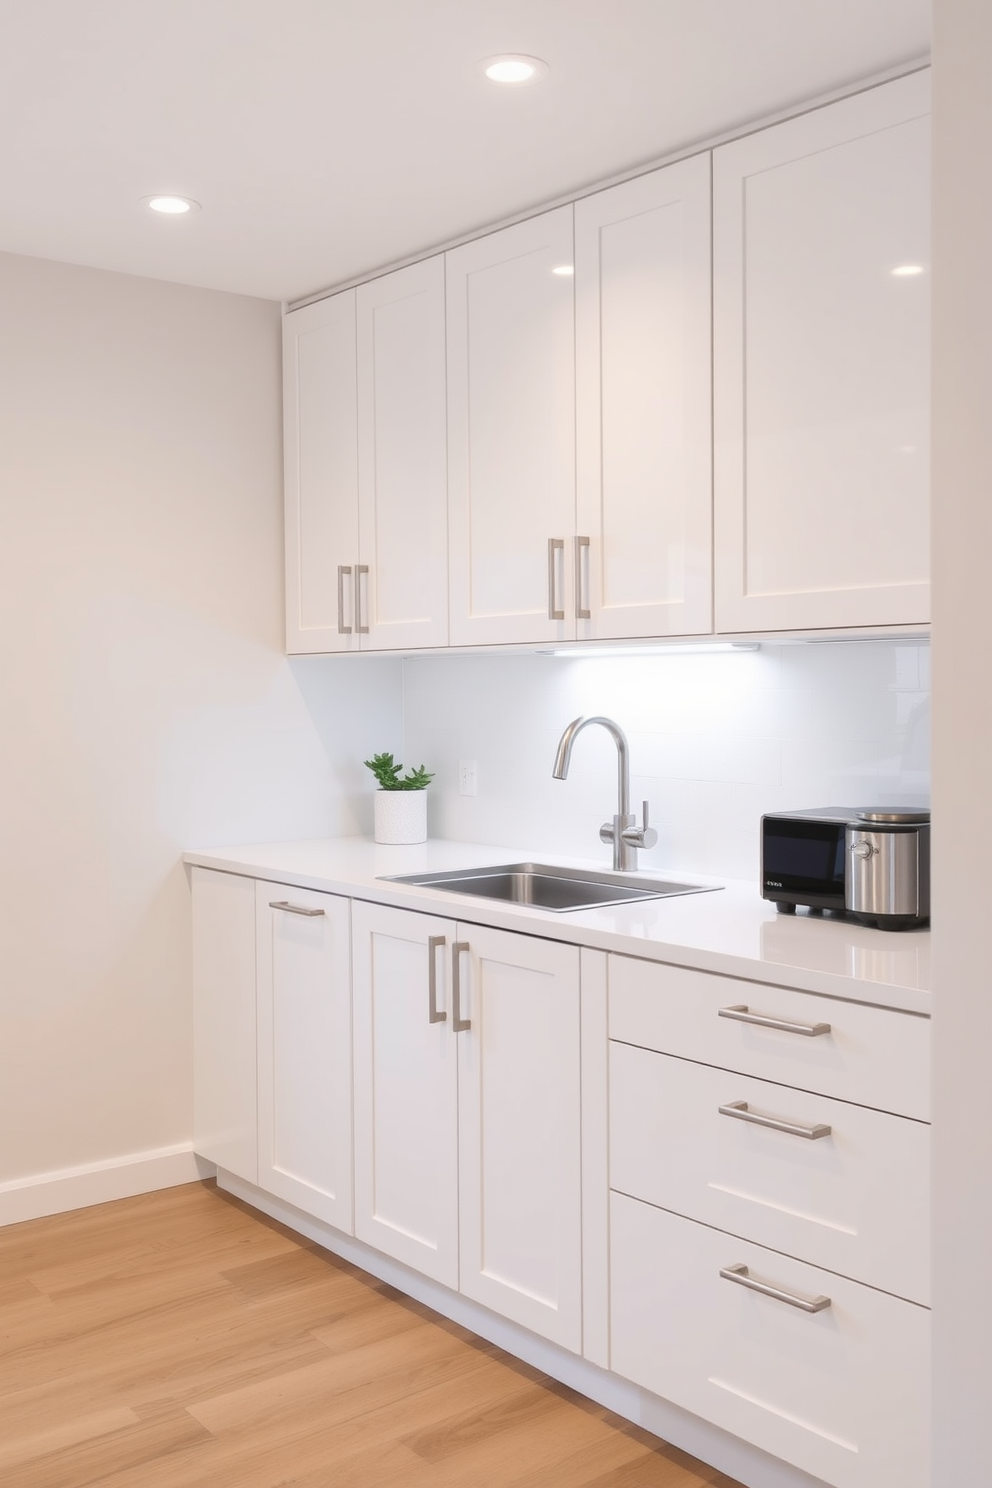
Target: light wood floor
column 180, row 1339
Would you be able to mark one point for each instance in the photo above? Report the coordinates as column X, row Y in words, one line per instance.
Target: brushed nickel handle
column 343, row 568
column 741, row 1013
column 555, row 545
column 740, row 1111
column 743, row 1277
column 458, row 1023
column 433, row 944
column 581, row 613
column 360, row 569
column 294, row 908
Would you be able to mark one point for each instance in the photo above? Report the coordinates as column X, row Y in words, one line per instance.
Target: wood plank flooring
column 180, row 1339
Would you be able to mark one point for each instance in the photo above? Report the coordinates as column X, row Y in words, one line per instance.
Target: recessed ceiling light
column 564, row 269
column 907, row 271
column 170, row 206
column 512, row 68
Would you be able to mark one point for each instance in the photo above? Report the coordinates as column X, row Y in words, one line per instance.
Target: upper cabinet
column 643, row 377
column 366, row 504
column 320, row 440
column 511, row 433
column 821, row 360
column 680, row 406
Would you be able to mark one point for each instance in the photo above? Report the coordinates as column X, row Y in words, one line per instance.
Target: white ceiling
column 326, row 138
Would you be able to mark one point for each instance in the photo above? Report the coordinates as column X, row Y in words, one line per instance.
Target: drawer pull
column 742, row 1014
column 743, row 1277
column 740, row 1112
column 294, row 908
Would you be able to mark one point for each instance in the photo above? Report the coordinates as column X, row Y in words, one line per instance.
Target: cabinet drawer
column 841, row 1393
column 853, row 1199
column 873, row 1056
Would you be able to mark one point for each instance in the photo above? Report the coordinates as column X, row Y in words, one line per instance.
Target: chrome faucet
column 623, row 832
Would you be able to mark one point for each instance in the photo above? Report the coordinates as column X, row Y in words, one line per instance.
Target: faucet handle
column 642, row 836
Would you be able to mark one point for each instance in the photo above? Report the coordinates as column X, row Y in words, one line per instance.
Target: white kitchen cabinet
column 224, row 1094
column 840, row 1392
column 821, row 358
column 759, row 1127
column 511, row 433
column 366, row 499
column 304, row 1050
column 519, row 1129
column 468, row 1128
column 406, row 1089
column 642, row 556
column 402, row 459
column 320, row 438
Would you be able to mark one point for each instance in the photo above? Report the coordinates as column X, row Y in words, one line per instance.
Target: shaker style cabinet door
column 304, row 1050
column 402, row 582
column 642, row 557
column 520, row 1186
column 406, row 1089
column 224, row 1095
column 821, row 357
column 511, row 433
column 321, row 455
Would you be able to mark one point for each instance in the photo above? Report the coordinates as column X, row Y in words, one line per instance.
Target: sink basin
column 545, row 887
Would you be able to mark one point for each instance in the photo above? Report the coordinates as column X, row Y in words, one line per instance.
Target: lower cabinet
column 769, row 1161
column 303, row 971
column 461, row 1099
column 468, row 1111
column 724, row 1328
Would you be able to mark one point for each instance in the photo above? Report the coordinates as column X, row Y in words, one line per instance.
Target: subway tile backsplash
column 715, row 740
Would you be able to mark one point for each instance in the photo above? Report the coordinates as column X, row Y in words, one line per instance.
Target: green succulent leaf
column 387, row 773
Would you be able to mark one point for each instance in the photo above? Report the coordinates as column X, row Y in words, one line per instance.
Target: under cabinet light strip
column 581, row 653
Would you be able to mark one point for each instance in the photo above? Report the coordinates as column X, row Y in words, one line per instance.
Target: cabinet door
column 402, row 458
column 224, row 1099
column 643, row 400
column 406, row 1089
column 821, row 317
column 321, row 455
column 520, row 1190
column 304, row 1050
column 511, row 433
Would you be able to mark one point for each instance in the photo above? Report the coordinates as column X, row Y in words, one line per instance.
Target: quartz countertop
column 733, row 931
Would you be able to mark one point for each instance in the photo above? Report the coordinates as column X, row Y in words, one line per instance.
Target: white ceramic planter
column 401, row 816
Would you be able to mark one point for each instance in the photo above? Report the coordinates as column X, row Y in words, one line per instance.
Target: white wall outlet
column 468, row 778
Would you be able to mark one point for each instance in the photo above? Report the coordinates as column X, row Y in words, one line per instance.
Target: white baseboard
column 738, row 1459
column 99, row 1182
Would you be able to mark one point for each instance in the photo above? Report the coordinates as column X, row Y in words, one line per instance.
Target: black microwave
column 803, row 857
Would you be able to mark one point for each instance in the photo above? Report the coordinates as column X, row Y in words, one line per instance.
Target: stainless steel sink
column 547, row 887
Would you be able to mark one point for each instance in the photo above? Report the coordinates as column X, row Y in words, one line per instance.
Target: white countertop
column 733, row 931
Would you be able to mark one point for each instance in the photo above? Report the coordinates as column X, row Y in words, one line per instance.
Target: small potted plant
column 400, row 801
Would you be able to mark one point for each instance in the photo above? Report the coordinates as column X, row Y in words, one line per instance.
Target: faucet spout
column 622, row 832
column 564, row 756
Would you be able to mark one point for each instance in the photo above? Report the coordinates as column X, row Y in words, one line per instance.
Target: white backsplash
column 715, row 740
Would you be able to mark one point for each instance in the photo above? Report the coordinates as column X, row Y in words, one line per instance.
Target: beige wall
column 962, row 739
column 145, row 704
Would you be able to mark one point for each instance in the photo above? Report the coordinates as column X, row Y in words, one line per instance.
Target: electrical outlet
column 468, row 778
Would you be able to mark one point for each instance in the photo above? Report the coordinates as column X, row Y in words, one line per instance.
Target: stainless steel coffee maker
column 887, row 878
